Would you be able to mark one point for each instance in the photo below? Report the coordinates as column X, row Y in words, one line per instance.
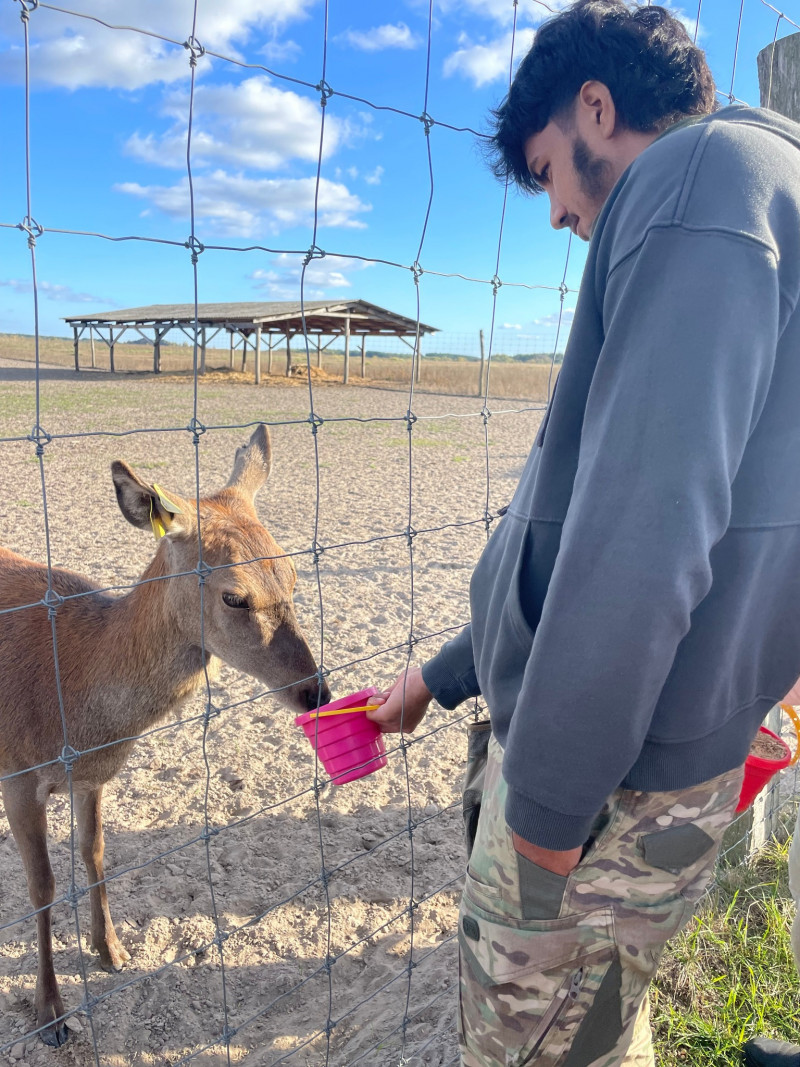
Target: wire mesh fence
column 268, row 911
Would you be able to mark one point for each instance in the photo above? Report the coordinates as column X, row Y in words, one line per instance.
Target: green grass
column 730, row 975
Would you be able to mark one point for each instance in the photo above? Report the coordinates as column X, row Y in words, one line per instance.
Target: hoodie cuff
column 450, row 685
column 545, row 827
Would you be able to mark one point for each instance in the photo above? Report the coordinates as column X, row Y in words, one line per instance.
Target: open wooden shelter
column 250, row 325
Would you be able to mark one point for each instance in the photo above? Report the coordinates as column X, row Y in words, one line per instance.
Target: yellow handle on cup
column 795, row 718
column 342, row 711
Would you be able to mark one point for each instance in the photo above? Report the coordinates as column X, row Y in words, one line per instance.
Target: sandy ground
column 300, row 949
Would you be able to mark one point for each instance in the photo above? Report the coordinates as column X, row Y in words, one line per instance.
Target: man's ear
column 146, row 505
column 595, row 110
column 252, row 463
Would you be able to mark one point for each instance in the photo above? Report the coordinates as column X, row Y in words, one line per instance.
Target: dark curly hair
column 643, row 55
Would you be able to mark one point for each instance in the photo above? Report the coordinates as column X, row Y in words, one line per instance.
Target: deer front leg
column 90, row 831
column 28, row 820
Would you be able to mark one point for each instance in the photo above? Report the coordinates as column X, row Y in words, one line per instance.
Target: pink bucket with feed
column 349, row 745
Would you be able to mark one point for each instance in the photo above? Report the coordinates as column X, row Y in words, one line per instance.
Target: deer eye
column 234, row 601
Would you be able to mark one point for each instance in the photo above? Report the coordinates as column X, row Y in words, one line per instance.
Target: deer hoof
column 55, row 1036
column 113, row 957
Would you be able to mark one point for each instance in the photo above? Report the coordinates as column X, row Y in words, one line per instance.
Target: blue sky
column 109, row 110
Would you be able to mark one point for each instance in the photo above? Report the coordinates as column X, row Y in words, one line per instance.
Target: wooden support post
column 230, row 364
column 76, row 345
column 319, row 349
column 91, row 345
column 257, row 356
column 269, row 353
column 159, row 337
column 288, row 354
column 346, row 373
column 111, row 349
column 363, row 355
column 244, row 350
column 778, row 80
column 418, row 357
column 203, row 350
column 483, row 364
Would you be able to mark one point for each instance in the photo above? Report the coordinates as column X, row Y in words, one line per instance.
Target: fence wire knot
column 197, row 248
column 410, row 533
column 205, row 835
column 196, row 429
column 417, row 271
column 427, row 122
column 316, row 421
column 563, row 289
column 325, row 92
column 73, row 895
column 41, row 438
column 195, row 50
column 330, row 1023
column 496, row 283
column 409, row 418
column 68, row 757
column 211, row 712
column 33, row 229
column 316, row 550
column 486, row 413
column 203, row 572
column 27, row 6
column 52, row 601
column 229, row 1031
column 314, row 252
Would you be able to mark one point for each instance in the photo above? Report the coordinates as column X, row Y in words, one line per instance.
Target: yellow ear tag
column 165, row 501
column 156, row 523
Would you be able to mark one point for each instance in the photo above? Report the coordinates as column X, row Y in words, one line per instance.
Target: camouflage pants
column 554, row 971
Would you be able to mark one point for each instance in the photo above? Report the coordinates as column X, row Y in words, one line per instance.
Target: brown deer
column 125, row 662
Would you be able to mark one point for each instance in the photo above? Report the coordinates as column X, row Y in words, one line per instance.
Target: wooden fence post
column 257, row 356
column 779, row 76
column 346, row 373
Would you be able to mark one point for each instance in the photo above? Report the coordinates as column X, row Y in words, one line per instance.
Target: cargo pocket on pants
column 478, row 736
column 528, row 986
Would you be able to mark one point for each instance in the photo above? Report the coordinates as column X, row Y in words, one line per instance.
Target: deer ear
column 145, row 505
column 252, row 463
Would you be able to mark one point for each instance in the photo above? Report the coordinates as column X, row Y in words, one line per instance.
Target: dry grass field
column 525, row 381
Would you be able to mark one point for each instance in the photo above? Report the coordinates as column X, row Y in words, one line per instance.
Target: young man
column 635, row 613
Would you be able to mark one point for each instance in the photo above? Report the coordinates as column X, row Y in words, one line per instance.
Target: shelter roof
column 321, row 316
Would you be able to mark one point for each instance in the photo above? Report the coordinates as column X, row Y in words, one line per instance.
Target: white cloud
column 378, row 38
column 551, row 321
column 489, row 61
column 253, row 124
column 282, row 281
column 374, row 177
column 75, row 52
column 244, row 207
column 511, row 326
column 52, row 291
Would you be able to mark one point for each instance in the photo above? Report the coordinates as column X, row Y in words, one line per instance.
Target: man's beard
column 594, row 172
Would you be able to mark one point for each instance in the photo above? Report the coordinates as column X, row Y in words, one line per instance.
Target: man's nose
column 559, row 216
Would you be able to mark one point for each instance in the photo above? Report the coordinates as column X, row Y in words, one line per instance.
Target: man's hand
column 393, row 712
column 558, row 862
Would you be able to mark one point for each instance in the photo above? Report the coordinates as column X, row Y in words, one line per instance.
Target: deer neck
column 144, row 650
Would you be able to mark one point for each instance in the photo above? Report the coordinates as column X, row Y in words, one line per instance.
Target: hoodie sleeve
column 450, row 675
column 691, row 321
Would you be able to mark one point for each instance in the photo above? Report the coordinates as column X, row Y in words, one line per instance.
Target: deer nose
column 315, row 695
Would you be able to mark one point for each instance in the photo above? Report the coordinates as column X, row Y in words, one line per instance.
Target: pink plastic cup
column 758, row 771
column 349, row 745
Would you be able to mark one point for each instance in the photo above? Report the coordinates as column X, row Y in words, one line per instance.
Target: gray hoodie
column 637, row 611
